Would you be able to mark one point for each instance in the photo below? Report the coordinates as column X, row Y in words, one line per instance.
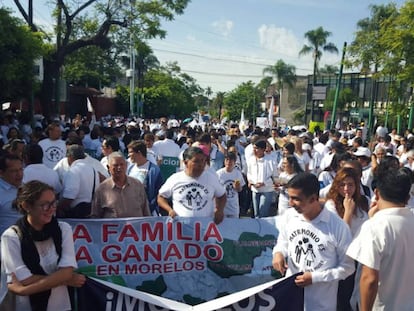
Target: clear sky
column 222, row 43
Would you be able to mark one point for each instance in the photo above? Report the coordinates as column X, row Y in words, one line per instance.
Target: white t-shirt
column 167, row 148
column 42, row 173
column 53, row 151
column 62, row 167
column 227, row 179
column 139, row 172
column 193, row 197
column 317, row 246
column 385, row 244
column 283, row 202
column 12, row 262
column 78, row 182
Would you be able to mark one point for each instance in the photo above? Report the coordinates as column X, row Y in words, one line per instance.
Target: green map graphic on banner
column 169, row 165
column 191, row 260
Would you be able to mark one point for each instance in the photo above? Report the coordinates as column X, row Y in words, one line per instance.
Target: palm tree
column 329, row 70
column 218, row 102
column 284, row 74
column 208, row 92
column 317, row 43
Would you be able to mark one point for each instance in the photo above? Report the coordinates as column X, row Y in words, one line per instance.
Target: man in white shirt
column 78, row 186
column 261, row 171
column 62, row 167
column 54, row 148
column 314, row 241
column 385, row 249
column 36, row 170
column 167, row 147
column 195, row 192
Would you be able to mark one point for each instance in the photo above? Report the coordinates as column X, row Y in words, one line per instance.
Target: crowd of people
column 343, row 200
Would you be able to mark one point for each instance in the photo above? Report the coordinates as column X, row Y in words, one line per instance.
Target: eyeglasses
column 46, row 206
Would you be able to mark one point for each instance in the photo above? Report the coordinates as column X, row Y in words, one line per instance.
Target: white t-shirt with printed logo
column 232, row 208
column 193, row 197
column 53, row 151
column 319, row 247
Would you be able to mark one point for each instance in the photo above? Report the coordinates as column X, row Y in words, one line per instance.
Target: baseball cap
column 362, row 152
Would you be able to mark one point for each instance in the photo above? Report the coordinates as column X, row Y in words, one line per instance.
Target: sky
column 223, row 43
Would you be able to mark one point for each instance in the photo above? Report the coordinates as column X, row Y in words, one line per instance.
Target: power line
column 220, row 59
column 222, row 74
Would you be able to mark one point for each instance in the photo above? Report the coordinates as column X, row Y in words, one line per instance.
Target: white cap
column 362, row 152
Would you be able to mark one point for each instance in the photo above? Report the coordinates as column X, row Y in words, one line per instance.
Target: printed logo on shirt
column 308, row 250
column 54, row 154
column 230, row 192
column 194, row 196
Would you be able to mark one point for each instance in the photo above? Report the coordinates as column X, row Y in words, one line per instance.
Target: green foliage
column 246, row 96
column 166, row 95
column 317, row 39
column 91, row 66
column 299, row 116
column 329, row 70
column 345, row 96
column 19, row 47
column 284, row 73
column 367, row 50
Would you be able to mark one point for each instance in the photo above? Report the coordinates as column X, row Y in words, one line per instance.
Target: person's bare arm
column 40, row 283
column 163, row 203
column 219, row 211
column 368, row 287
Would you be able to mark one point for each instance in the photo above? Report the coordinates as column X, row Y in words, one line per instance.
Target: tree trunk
column 48, row 96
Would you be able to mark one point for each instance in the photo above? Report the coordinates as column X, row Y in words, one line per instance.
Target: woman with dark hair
column 291, row 168
column 345, row 199
column 38, row 255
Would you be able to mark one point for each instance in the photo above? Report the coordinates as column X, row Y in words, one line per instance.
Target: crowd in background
column 113, row 167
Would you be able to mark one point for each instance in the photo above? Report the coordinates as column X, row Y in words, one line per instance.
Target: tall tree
column 366, row 50
column 19, row 47
column 117, row 20
column 317, row 43
column 284, row 74
column 245, row 96
column 329, row 70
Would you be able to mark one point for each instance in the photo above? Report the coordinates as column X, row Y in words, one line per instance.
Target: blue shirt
column 8, row 215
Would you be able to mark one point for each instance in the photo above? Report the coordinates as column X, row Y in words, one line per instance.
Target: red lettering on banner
column 213, row 252
column 169, row 231
column 111, row 253
column 102, row 270
column 180, row 235
column 168, row 267
column 152, row 233
column 131, row 252
column 192, row 250
column 197, row 227
column 172, row 251
column 155, row 254
column 128, row 231
column 83, row 254
column 106, row 231
column 213, row 232
column 81, row 232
